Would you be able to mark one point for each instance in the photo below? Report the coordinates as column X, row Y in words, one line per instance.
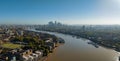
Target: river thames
column 78, row 49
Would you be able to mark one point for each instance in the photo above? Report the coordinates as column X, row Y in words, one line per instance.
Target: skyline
column 64, row 11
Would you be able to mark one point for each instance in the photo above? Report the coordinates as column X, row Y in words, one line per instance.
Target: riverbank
column 77, row 49
column 46, row 57
column 95, row 39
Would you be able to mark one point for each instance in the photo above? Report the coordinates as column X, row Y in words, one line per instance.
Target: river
column 76, row 49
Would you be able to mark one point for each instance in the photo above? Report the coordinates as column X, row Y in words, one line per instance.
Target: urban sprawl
column 19, row 44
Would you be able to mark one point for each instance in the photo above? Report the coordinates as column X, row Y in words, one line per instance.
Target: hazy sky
column 65, row 11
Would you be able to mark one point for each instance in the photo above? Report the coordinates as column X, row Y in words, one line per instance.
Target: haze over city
column 65, row 11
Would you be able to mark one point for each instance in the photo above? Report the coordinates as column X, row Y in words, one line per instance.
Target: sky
column 64, row 11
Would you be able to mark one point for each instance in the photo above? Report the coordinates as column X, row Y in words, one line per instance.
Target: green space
column 11, row 45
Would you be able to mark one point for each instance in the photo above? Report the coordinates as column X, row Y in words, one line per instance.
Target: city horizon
column 52, row 21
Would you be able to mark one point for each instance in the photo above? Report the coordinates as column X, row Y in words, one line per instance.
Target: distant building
column 55, row 23
column 20, row 33
column 51, row 23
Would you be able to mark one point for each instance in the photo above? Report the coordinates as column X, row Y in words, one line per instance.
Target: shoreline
column 46, row 57
column 93, row 40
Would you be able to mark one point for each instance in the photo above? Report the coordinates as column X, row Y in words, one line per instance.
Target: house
column 49, row 40
column 28, row 55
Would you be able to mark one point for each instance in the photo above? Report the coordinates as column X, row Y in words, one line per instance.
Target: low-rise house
column 28, row 55
column 49, row 42
column 52, row 44
column 40, row 54
column 24, row 58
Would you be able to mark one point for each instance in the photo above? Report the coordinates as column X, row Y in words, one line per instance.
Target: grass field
column 11, row 45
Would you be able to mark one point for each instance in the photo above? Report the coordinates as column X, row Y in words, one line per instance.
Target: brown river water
column 76, row 49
